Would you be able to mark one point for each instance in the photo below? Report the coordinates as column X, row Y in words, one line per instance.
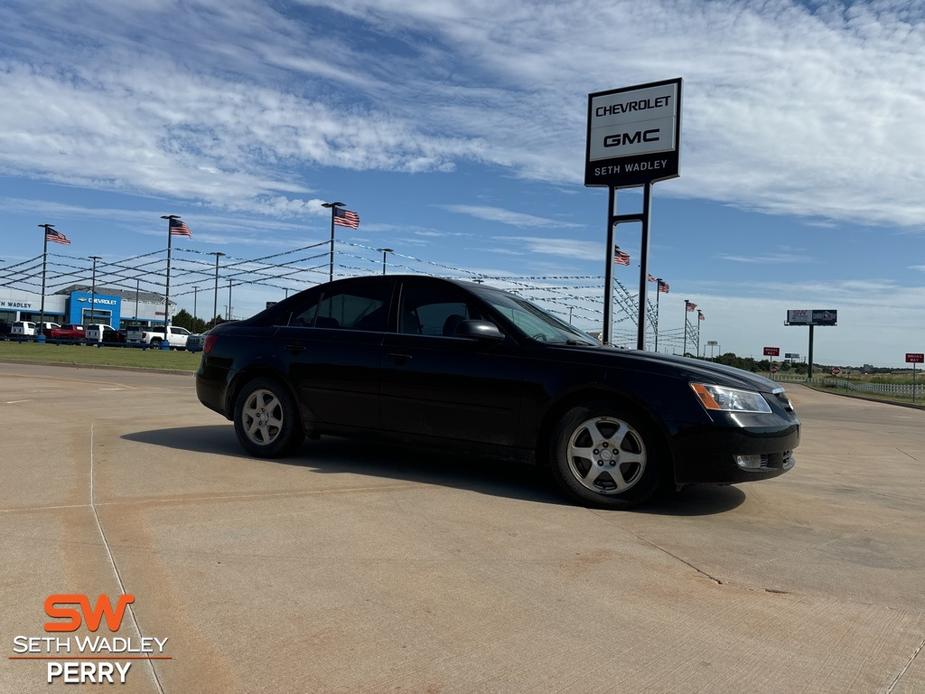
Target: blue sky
column 456, row 130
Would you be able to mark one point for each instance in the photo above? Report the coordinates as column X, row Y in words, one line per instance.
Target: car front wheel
column 607, row 458
column 266, row 419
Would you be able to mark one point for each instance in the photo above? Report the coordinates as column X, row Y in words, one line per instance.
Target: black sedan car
column 451, row 364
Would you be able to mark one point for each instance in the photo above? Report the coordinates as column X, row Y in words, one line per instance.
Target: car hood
column 670, row 365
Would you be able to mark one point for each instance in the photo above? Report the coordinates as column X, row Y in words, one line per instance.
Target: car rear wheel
column 266, row 419
column 607, row 458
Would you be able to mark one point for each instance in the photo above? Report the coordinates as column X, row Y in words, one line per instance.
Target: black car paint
column 502, row 397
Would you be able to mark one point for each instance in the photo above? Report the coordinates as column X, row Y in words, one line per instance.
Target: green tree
column 184, row 319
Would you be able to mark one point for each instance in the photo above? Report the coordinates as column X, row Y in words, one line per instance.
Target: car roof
column 471, row 286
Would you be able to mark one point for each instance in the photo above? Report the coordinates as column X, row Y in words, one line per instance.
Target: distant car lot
column 355, row 567
column 100, row 334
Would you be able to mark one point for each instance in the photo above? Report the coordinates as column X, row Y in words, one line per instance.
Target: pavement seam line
column 905, row 668
column 649, row 542
column 112, row 561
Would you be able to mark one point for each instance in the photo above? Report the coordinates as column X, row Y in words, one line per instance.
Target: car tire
column 597, row 448
column 266, row 419
column 156, row 342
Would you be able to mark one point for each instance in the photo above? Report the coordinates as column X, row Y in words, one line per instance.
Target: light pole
column 195, row 300
column 229, row 300
column 332, row 206
column 94, row 258
column 384, row 252
column 217, row 254
column 137, row 292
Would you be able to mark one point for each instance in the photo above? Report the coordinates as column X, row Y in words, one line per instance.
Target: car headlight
column 723, row 399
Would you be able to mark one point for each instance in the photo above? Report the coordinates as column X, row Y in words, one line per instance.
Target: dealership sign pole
column 914, row 358
column 633, row 139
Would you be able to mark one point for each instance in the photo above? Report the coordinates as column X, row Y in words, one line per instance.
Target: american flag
column 620, row 257
column 652, row 278
column 700, row 315
column 346, row 218
column 178, row 228
column 56, row 236
column 663, row 287
column 690, row 307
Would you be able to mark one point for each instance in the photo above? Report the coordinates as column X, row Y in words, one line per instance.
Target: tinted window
column 434, row 308
column 355, row 306
column 303, row 313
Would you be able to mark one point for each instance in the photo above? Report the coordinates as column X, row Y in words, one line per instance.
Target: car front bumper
column 709, row 454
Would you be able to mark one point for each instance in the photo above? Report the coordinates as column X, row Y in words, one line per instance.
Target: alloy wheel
column 262, row 417
column 606, row 455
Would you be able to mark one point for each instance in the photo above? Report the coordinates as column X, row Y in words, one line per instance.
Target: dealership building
column 79, row 305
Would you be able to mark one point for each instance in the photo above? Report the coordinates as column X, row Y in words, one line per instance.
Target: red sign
column 835, row 371
column 775, row 369
column 915, row 357
column 772, row 351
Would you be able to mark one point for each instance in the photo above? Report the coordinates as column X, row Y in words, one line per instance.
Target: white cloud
column 811, row 110
column 767, row 258
column 787, row 108
column 503, row 216
column 563, row 247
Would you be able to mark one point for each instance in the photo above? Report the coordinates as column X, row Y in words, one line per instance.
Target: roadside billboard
column 915, row 357
column 828, row 316
column 772, row 351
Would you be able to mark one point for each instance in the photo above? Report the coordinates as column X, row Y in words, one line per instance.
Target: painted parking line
column 14, row 402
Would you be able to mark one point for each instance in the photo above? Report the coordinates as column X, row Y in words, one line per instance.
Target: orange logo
column 92, row 616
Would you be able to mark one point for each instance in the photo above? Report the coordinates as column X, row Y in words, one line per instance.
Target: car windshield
column 534, row 321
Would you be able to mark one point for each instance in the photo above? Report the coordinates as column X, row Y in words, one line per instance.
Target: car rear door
column 332, row 343
column 437, row 385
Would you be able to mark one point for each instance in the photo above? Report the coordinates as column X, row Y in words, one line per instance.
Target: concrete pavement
column 355, row 567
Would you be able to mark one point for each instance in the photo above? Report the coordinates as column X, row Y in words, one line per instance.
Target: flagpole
column 698, row 332
column 166, row 343
column 41, row 336
column 684, row 349
column 658, row 294
column 331, row 258
column 699, row 321
column 333, row 207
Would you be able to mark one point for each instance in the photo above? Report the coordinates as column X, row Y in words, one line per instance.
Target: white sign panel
column 636, row 122
column 633, row 134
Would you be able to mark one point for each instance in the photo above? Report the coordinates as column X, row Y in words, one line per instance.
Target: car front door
column 332, row 342
column 435, row 384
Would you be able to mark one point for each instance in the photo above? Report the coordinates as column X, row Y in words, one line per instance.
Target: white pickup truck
column 176, row 337
column 95, row 331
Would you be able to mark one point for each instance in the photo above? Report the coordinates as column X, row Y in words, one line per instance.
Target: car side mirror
column 479, row 330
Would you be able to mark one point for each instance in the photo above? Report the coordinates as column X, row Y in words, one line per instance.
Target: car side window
column 301, row 315
column 355, row 306
column 434, row 309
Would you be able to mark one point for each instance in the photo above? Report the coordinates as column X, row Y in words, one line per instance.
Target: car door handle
column 295, row 348
column 400, row 357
